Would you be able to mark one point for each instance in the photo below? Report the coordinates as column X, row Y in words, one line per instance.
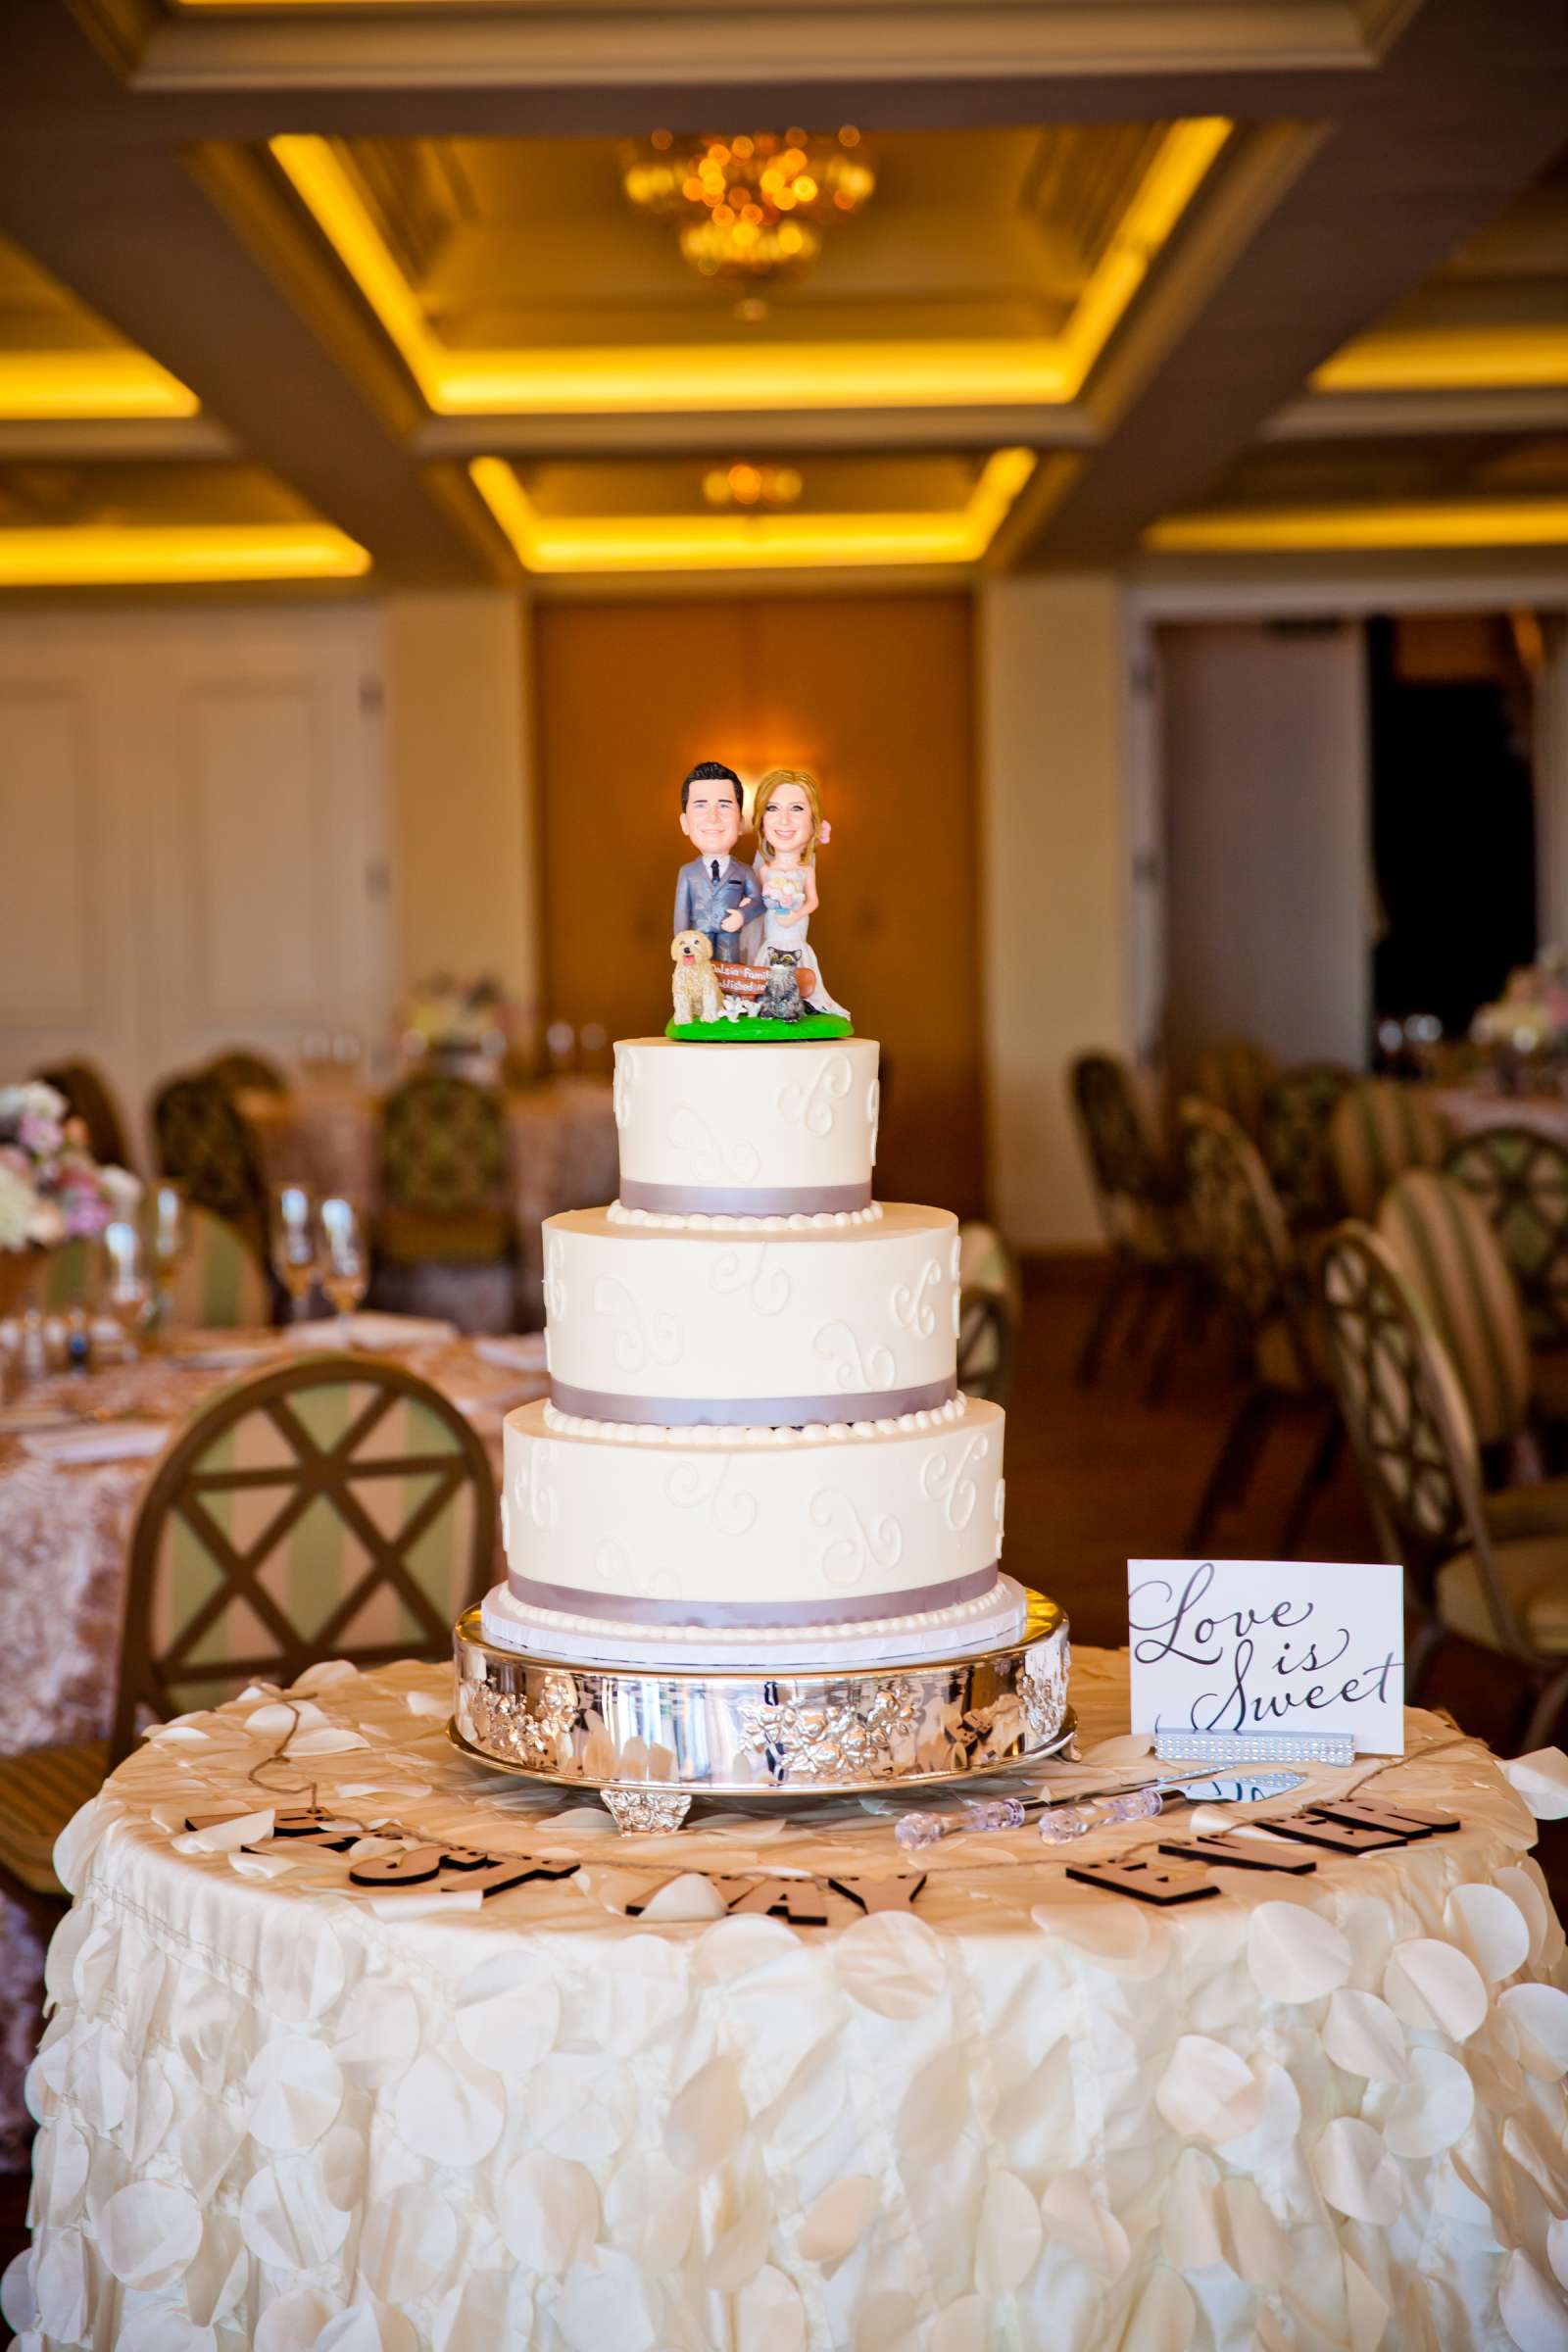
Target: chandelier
column 752, row 205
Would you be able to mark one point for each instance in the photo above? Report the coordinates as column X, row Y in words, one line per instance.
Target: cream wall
column 459, row 737
column 1055, row 860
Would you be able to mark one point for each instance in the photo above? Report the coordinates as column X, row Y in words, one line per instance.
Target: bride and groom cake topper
column 740, row 930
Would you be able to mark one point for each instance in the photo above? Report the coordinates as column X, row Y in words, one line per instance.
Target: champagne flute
column 168, row 1237
column 345, row 1268
column 296, row 1250
column 126, row 1290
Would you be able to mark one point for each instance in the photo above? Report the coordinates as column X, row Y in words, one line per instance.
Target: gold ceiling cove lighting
column 159, row 554
column 90, row 385
column 749, row 542
column 1343, row 529
column 752, row 204
column 1481, row 359
column 742, row 376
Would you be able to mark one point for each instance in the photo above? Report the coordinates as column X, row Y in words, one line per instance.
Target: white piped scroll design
column 855, row 1372
column 956, row 1267
column 534, row 1487
column 943, row 1480
column 814, row 1107
column 712, row 1160
column 1000, row 1509
column 852, row 1545
column 755, row 1269
column 638, row 1336
column 615, row 1571
column 873, row 1113
column 913, row 1305
column 555, row 1277
column 707, row 1486
column 625, row 1080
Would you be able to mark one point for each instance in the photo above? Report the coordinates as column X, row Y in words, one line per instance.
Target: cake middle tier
column 709, row 1323
column 765, row 1526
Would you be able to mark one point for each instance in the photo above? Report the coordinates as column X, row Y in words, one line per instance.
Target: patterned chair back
column 1378, row 1130
column 443, row 1147
column 90, row 1099
column 1293, row 1136
column 1443, row 1242
column 1240, row 1227
column 242, row 1070
column 990, row 1311
column 209, row 1149
column 334, row 1508
column 1519, row 1180
column 1234, row 1077
column 1134, row 1190
column 1403, row 1400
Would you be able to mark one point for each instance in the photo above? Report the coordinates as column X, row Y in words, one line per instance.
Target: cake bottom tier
column 989, row 1620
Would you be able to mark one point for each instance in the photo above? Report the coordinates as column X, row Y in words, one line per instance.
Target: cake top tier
column 747, row 1130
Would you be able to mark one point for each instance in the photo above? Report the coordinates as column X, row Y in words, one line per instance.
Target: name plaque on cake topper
column 1268, row 1648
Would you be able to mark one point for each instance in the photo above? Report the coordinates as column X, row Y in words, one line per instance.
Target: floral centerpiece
column 463, row 1024
column 1529, row 1022
column 51, row 1187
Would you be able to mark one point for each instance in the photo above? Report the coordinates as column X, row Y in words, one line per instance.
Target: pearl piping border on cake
column 728, row 1434
column 937, row 1621
column 822, row 1220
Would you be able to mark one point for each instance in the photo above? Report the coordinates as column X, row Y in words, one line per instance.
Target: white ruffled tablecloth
column 1310, row 2113
column 560, row 1151
column 1470, row 1110
column 63, row 1534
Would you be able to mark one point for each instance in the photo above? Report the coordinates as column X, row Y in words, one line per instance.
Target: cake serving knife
column 1063, row 1818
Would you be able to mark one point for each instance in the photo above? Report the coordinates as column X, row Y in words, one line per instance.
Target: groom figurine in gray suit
column 715, row 894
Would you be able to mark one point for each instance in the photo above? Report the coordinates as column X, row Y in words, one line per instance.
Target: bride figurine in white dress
column 789, row 825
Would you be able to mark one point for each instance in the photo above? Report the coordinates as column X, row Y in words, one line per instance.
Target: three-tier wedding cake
column 755, row 1453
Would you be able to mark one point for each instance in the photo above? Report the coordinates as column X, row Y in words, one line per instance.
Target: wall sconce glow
column 1484, row 359
column 46, row 385
column 749, row 542
column 105, row 555
column 940, row 372
column 1457, row 523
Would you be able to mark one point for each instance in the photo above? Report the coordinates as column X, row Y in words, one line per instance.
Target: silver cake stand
column 647, row 1743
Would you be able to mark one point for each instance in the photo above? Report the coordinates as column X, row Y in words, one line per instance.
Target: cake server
column 1068, row 1817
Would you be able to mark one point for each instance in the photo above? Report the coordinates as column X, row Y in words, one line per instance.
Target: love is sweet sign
column 1268, row 1645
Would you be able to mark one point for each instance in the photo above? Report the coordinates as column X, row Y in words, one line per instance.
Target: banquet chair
column 1241, row 1235
column 1235, row 1075
column 335, row 1508
column 444, row 1198
column 90, row 1099
column 1520, row 1178
column 209, row 1148
column 1380, row 1128
column 1441, row 1236
column 1471, row 1569
column 1293, row 1136
column 241, row 1070
column 1138, row 1198
column 218, row 1284
column 990, row 1312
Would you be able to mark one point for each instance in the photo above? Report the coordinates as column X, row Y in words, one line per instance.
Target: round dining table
column 76, row 1452
column 355, row 2043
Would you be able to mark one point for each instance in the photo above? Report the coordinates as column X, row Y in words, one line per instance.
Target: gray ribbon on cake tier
column 634, row 1609
column 745, row 1201
column 749, row 1412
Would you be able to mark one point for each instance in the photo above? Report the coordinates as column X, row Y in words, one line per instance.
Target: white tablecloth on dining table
column 602, row 2113
column 1471, row 1109
column 560, row 1151
column 63, row 1529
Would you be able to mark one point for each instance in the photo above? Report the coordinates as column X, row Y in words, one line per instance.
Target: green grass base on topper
column 759, row 1031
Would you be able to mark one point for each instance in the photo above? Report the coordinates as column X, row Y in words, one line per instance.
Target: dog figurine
column 782, row 999
column 695, row 986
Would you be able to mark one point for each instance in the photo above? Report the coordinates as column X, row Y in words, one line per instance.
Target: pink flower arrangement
column 51, row 1187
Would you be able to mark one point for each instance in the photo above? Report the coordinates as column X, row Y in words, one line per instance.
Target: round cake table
column 772, row 2083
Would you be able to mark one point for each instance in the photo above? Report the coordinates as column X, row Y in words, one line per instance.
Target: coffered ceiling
column 352, row 289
